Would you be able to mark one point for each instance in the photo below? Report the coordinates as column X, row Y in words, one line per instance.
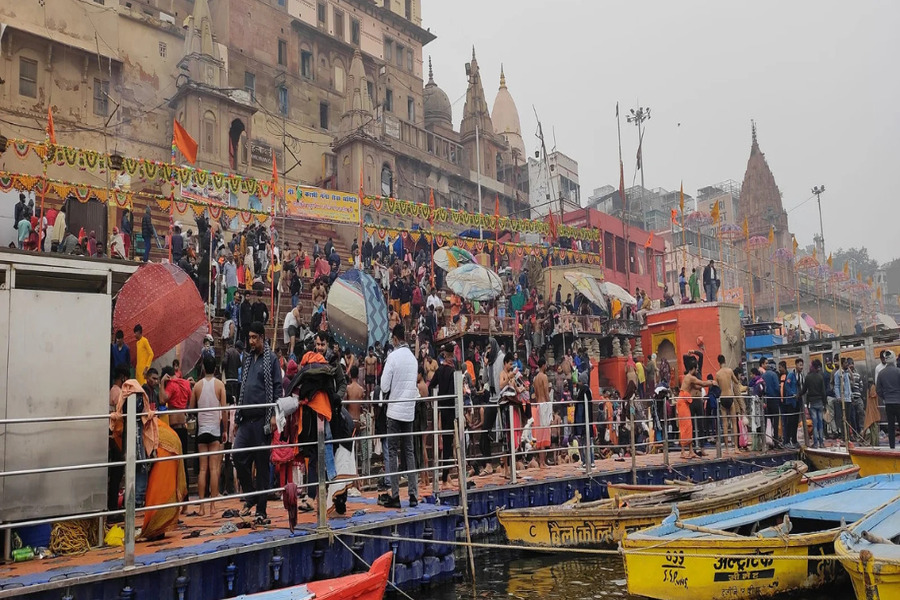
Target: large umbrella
column 885, row 321
column 806, row 263
column 474, row 282
column 164, row 301
column 450, row 257
column 809, row 320
column 783, row 255
column 588, row 287
column 730, row 231
column 698, row 218
column 757, row 241
column 613, row 290
column 794, row 320
column 357, row 313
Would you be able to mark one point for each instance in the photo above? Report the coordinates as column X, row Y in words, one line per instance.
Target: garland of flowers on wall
column 24, row 182
column 511, row 249
column 142, row 168
column 407, row 208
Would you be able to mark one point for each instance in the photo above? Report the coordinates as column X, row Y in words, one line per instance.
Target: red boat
column 363, row 586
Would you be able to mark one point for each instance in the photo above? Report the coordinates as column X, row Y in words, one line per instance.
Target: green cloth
column 695, row 286
column 517, row 301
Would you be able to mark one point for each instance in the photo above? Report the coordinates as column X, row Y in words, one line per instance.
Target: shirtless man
column 430, row 365
column 506, row 378
column 729, row 384
column 371, row 365
column 393, row 318
column 355, row 392
column 691, row 386
column 541, row 389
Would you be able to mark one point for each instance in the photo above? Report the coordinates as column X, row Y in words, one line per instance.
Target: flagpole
column 49, row 139
column 359, row 239
column 624, row 198
column 274, row 194
column 171, row 197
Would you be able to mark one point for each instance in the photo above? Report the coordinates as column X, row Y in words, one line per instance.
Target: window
column 250, row 84
column 633, row 257
column 371, row 89
column 387, row 181
column 282, row 53
column 322, row 14
column 338, row 24
column 409, row 9
column 609, row 256
column 389, row 100
column 620, row 255
column 388, row 50
column 208, row 141
column 409, row 60
column 27, row 77
column 411, row 109
column 354, row 32
column 281, row 2
column 306, row 61
column 101, row 99
column 400, row 55
column 323, row 115
column 283, row 106
column 162, row 49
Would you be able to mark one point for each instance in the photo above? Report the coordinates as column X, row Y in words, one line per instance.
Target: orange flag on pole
column 51, row 131
column 746, row 228
column 274, row 173
column 715, row 213
column 649, row 241
column 674, row 217
column 182, row 140
column 771, row 235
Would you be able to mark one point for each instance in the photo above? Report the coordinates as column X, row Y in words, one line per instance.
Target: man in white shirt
column 435, row 301
column 880, row 367
column 399, row 380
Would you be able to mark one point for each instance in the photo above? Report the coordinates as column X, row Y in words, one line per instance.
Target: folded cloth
column 285, row 407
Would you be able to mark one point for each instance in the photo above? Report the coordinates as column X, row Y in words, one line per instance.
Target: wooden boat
column 604, row 522
column 826, row 458
column 618, row 490
column 875, row 460
column 869, row 551
column 364, row 586
column 826, row 477
column 751, row 552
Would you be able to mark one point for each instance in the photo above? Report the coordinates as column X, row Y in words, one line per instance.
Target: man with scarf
column 493, row 367
column 260, row 384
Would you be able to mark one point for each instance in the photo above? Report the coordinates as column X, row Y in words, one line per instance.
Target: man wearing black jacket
column 710, row 281
column 814, row 389
column 246, row 317
column 443, row 381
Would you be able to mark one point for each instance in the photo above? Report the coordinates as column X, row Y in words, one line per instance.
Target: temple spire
column 430, row 71
column 502, row 77
column 753, row 132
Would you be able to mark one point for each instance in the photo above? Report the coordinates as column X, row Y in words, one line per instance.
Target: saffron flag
column 830, row 261
column 846, row 268
column 815, row 255
column 681, row 202
column 674, row 217
column 715, row 213
column 552, row 227
column 869, row 280
column 746, row 228
column 878, row 293
column 795, row 244
column 771, row 235
column 431, row 207
column 182, row 140
column 274, row 173
column 649, row 241
column 51, row 131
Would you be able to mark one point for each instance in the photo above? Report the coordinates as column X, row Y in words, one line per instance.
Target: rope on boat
column 607, row 552
column 73, row 537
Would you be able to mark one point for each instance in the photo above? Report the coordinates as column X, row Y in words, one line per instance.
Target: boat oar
column 701, row 529
column 875, row 539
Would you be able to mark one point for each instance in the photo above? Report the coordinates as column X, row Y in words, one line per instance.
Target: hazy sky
column 820, row 78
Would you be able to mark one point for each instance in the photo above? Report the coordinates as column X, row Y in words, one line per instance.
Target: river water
column 531, row 576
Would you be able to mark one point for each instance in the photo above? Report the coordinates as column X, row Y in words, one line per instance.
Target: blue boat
column 870, row 552
column 753, row 552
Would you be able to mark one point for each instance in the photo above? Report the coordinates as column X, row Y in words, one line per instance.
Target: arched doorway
column 234, row 139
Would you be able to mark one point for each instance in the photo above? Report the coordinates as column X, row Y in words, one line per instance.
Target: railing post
column 512, row 445
column 803, row 421
column 719, row 428
column 588, row 458
column 633, row 453
column 461, row 434
column 434, row 449
column 665, row 417
column 131, row 430
column 322, row 483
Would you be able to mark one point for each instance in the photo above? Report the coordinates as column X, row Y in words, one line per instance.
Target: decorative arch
column 235, row 131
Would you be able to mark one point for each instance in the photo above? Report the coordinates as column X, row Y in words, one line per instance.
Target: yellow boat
column 826, row 458
column 869, row 551
column 605, row 522
column 874, row 460
column 751, row 552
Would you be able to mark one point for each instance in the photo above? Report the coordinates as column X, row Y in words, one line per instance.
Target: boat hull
column 875, row 461
column 362, row 586
column 745, row 569
column 619, row 490
column 826, row 477
column 605, row 523
column 821, row 459
column 880, row 581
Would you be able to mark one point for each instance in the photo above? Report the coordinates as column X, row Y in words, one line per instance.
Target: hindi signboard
column 322, row 205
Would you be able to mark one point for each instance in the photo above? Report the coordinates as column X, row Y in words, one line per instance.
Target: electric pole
column 818, row 191
column 638, row 117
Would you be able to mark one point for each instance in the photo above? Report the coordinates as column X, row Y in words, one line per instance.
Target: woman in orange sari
column 167, row 484
column 690, row 387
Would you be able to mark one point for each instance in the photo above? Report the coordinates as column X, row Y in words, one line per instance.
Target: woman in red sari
column 167, row 484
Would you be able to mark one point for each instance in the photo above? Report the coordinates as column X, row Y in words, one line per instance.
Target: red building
column 631, row 256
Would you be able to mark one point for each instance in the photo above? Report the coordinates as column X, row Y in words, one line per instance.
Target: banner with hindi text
column 322, row 205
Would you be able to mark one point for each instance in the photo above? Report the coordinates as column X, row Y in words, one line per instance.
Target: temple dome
column 438, row 110
column 505, row 117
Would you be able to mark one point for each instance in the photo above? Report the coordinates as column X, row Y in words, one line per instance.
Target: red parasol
column 758, row 241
